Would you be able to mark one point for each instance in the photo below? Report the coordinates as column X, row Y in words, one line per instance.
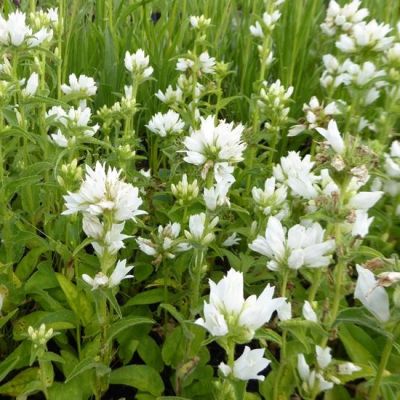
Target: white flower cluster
column 14, row 30
column 303, row 247
column 165, row 243
column 272, row 199
column 71, row 124
column 138, row 64
column 218, row 146
column 106, row 202
column 229, row 315
column 262, row 31
column 166, row 124
column 273, row 103
column 316, row 116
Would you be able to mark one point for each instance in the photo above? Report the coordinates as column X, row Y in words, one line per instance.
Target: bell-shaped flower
column 372, row 296
column 308, row 312
column 213, row 144
column 104, row 191
column 333, row 136
column 247, row 366
column 120, row 273
column 201, row 231
column 296, row 173
column 229, row 313
column 303, row 247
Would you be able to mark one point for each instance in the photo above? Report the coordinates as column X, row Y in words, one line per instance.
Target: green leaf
column 357, row 344
column 141, row 377
column 24, row 383
column 28, row 263
column 85, row 365
column 125, row 323
column 76, row 299
column 150, row 353
column 147, row 297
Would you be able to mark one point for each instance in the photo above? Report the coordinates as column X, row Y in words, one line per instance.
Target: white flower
column 365, row 200
column 31, row 85
column 271, row 200
column 333, row 136
column 324, row 357
column 371, row 36
column 103, row 191
column 296, row 173
column 256, row 30
column 165, row 124
column 120, row 273
column 304, row 246
column 248, row 365
column 228, row 311
column 214, row 144
column 232, row 240
column 374, row 298
column 217, row 195
column 308, row 312
column 184, row 64
column 138, row 64
column 311, row 379
column 14, row 31
column 112, row 241
column 43, row 35
column 361, row 224
column 200, row 230
column 99, row 280
column 199, row 22
column 284, row 311
column 60, row 140
column 170, row 96
column 207, row 63
column 83, row 85
column 348, row 368
column 343, row 18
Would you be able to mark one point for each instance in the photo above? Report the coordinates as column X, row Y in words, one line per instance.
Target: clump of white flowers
column 201, row 230
column 41, row 336
column 166, row 124
column 71, row 125
column 138, row 64
column 343, row 19
column 214, row 145
column 247, row 366
column 101, row 280
column 184, row 191
column 303, row 247
column 272, row 199
column 316, row 116
column 296, row 173
column 164, row 244
column 106, row 202
column 83, row 85
column 273, row 102
column 229, row 314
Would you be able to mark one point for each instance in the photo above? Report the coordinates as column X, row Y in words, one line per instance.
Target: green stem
column 315, row 285
column 196, row 280
column 282, row 362
column 285, row 277
column 382, row 366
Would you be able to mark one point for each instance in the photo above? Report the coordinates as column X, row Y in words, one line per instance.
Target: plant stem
column 382, row 366
column 195, row 295
column 282, row 361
